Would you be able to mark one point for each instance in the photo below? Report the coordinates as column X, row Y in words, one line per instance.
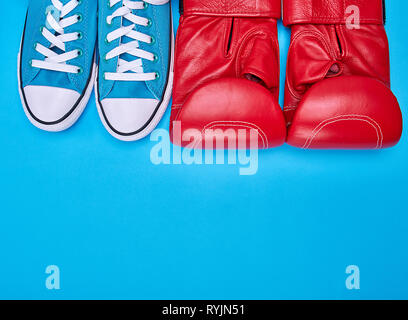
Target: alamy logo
column 353, row 278
column 52, row 282
column 353, row 17
column 213, row 146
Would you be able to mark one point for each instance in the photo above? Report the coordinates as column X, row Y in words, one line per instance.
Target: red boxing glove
column 337, row 92
column 227, row 75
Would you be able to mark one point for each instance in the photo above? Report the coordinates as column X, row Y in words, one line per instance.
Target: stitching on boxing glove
column 349, row 117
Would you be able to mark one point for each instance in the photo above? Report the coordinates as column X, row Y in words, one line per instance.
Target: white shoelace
column 131, row 70
column 52, row 60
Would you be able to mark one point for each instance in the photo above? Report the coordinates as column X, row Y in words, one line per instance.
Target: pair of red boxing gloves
column 337, row 91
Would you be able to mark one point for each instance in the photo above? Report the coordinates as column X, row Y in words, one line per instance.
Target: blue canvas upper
column 35, row 21
column 160, row 30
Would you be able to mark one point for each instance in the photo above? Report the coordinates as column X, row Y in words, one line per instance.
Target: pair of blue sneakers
column 123, row 47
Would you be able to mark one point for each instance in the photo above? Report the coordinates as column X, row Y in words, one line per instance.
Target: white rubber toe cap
column 129, row 116
column 50, row 104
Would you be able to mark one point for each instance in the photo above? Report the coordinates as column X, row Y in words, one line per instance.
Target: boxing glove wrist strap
column 332, row 12
column 248, row 8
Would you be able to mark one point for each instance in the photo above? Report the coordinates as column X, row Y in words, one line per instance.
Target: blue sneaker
column 56, row 68
column 135, row 77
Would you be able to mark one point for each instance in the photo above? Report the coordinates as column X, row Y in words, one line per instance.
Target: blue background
column 120, row 227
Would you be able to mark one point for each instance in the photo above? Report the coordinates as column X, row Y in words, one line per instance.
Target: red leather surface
column 323, row 51
column 234, row 8
column 216, row 47
column 238, row 104
column 330, row 11
column 347, row 112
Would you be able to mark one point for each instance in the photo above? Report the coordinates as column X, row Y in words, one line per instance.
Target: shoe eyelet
column 107, row 41
column 80, row 53
column 80, row 70
column 42, row 29
column 145, row 5
column 155, row 58
column 80, row 35
column 157, row 75
column 149, row 23
column 79, row 2
column 152, row 40
column 80, row 17
column 105, row 58
column 35, row 46
column 30, row 63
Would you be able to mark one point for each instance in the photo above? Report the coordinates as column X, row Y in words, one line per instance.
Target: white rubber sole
column 72, row 118
column 159, row 114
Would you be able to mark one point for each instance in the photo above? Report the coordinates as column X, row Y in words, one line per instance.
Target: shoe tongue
column 125, row 39
column 55, row 12
column 57, row 16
